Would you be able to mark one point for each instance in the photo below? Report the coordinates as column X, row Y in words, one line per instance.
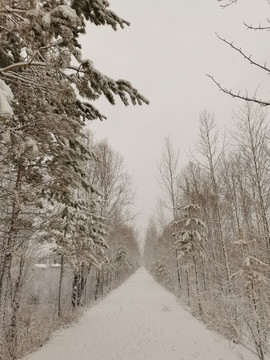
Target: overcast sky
column 166, row 53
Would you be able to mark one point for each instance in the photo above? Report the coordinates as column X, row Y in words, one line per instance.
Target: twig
column 238, row 95
column 263, row 67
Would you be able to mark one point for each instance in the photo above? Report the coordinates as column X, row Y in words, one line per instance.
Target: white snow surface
column 6, row 97
column 138, row 321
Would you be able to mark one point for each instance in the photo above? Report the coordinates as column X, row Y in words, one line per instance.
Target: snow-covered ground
column 138, row 321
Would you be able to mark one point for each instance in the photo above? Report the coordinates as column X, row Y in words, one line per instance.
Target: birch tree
column 168, row 178
column 207, row 145
column 252, row 139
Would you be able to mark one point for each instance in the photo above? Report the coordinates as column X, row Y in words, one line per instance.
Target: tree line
column 209, row 239
column 213, row 247
column 59, row 188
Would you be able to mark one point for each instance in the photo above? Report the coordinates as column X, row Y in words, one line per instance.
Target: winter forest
column 68, row 233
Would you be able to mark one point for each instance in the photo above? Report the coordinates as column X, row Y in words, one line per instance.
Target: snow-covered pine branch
column 46, row 38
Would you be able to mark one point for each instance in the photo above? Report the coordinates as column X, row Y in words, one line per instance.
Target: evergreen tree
column 189, row 241
column 251, row 274
column 41, row 38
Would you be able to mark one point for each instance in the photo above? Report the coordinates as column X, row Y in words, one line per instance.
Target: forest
column 208, row 240
column 67, row 229
column 66, row 232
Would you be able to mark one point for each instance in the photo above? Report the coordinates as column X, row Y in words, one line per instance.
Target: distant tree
column 207, row 145
column 150, row 240
column 190, row 243
column 251, row 137
column 109, row 175
column 161, row 271
column 123, row 254
column 168, row 177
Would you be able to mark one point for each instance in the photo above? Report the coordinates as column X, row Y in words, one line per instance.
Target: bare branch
column 259, row 27
column 11, row 10
column 252, row 62
column 22, row 64
column 238, row 95
column 228, row 3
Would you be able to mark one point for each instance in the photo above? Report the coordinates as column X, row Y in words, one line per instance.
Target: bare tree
column 168, row 178
column 252, row 136
column 110, row 176
column 207, row 145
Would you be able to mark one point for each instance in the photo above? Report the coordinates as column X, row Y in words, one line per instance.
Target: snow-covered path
column 138, row 321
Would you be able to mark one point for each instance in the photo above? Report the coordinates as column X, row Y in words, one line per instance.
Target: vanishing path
column 138, row 321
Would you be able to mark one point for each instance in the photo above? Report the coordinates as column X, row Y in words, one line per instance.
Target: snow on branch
column 99, row 14
column 25, row 64
column 6, row 97
column 56, row 45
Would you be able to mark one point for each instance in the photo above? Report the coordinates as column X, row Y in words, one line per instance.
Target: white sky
column 165, row 53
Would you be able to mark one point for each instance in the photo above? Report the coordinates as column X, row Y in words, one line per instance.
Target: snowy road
column 138, row 321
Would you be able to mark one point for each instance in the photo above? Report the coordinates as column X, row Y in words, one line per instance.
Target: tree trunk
column 97, row 284
column 259, row 340
column 75, row 300
column 197, row 288
column 178, row 271
column 188, row 289
column 59, row 312
column 7, row 256
column 15, row 305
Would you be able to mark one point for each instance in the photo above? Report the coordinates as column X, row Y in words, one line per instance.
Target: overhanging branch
column 24, row 64
column 239, row 50
column 238, row 95
column 259, row 27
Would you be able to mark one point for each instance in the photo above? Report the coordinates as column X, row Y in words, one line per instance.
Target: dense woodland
column 209, row 238
column 208, row 241
column 65, row 232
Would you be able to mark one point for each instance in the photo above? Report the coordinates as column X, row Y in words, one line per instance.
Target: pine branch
column 24, row 64
column 15, row 15
column 11, row 10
